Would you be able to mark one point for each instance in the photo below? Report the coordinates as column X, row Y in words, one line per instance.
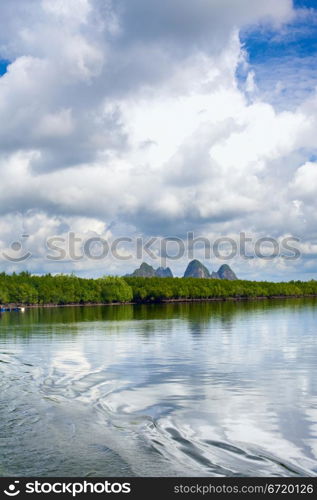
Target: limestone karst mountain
column 147, row 271
column 225, row 273
column 196, row 269
column 163, row 272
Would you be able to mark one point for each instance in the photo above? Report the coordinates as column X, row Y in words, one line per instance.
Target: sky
column 140, row 119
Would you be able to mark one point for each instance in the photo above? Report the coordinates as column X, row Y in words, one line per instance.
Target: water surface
column 203, row 389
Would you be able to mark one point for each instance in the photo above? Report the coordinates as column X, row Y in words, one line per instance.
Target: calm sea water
column 205, row 389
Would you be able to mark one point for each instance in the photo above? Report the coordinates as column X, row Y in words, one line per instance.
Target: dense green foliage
column 156, row 289
column 64, row 289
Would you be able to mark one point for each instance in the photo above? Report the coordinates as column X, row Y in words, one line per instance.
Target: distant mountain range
column 195, row 269
column 147, row 271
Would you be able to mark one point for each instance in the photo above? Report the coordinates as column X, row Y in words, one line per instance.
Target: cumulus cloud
column 305, row 181
column 128, row 114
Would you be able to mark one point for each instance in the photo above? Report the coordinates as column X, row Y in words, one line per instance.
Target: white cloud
column 114, row 117
column 304, row 184
column 55, row 124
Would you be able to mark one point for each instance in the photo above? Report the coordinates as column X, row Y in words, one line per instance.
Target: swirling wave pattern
column 184, row 389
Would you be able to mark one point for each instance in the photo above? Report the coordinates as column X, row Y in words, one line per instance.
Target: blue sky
column 292, row 52
column 3, row 66
column 287, row 55
column 151, row 118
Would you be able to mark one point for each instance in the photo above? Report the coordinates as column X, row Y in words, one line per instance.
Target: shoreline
column 164, row 301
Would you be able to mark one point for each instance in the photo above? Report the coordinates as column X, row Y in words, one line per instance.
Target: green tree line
column 62, row 289
column 27, row 289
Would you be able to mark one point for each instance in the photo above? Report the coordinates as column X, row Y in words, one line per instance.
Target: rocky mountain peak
column 196, row 269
